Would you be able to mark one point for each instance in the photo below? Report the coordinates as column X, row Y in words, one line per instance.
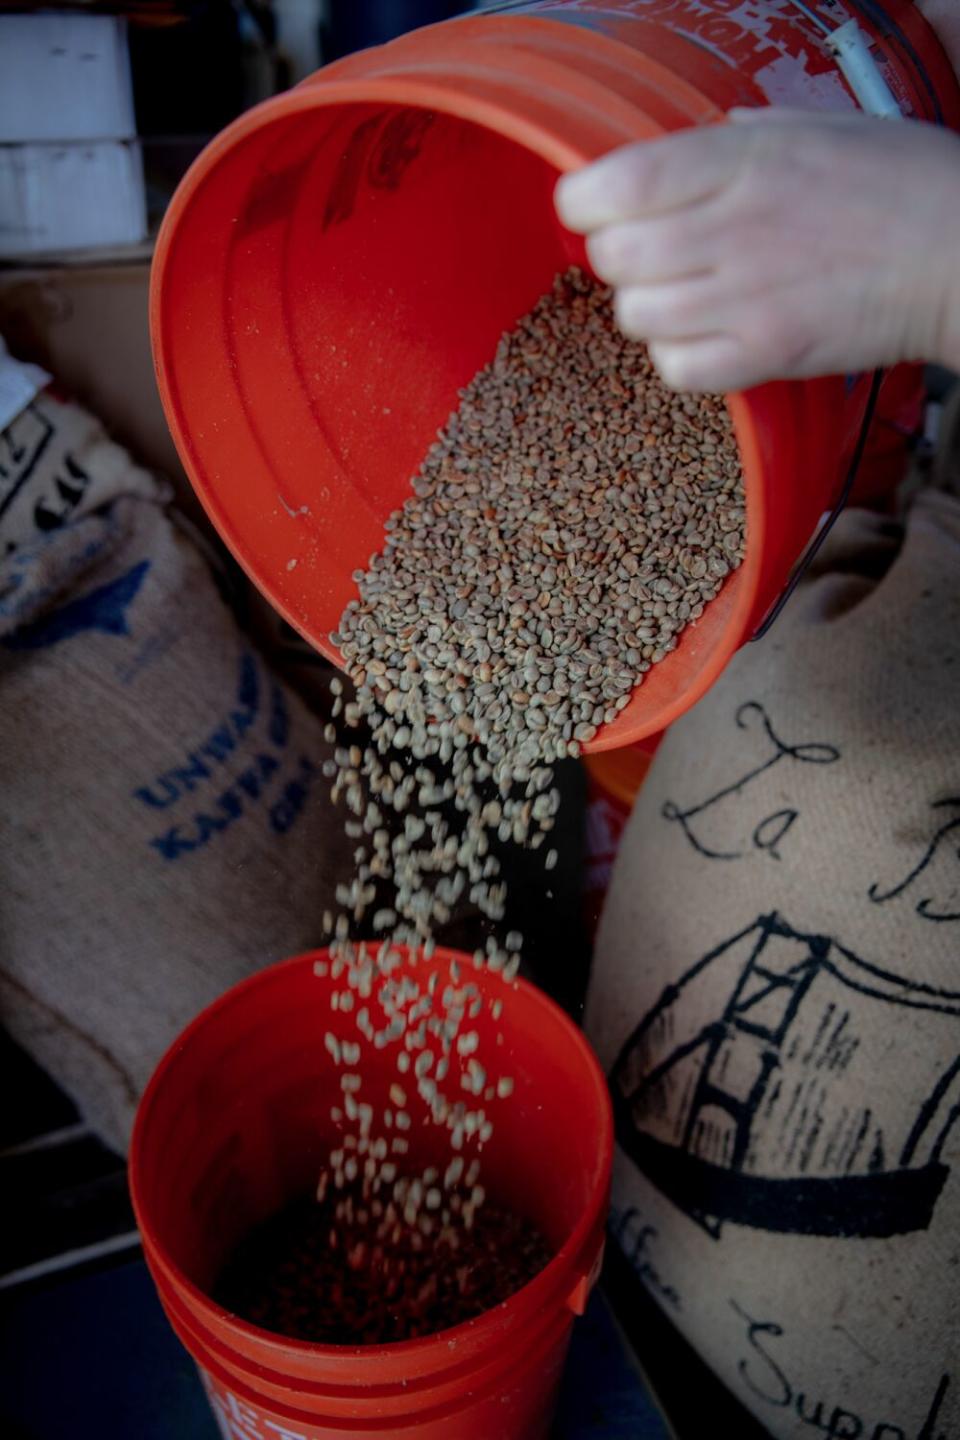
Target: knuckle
column 778, row 336
column 604, row 253
column 670, row 311
column 619, row 254
column 631, row 313
column 673, row 366
column 624, row 175
column 685, row 307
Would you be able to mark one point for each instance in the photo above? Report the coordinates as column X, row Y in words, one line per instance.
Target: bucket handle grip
column 803, row 564
column 580, row 1294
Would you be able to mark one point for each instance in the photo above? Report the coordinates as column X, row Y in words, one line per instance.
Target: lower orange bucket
column 236, row 1122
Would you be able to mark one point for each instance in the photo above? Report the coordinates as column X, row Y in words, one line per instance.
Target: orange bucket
column 614, row 778
column 342, row 259
column 236, row 1121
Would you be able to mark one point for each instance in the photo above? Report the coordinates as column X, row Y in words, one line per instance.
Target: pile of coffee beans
column 319, row 1272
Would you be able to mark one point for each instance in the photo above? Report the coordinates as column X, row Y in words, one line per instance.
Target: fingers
column 706, row 364
column 658, row 231
column 764, row 248
column 720, row 333
column 651, row 178
column 649, row 252
column 693, row 340
column 674, row 310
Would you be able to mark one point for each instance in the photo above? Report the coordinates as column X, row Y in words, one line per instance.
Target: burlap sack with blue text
column 165, row 828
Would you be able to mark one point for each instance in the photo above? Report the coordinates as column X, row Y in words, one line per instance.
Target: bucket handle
column 580, row 1294
column 803, row 564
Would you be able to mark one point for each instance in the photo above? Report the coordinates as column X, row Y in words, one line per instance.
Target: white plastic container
column 64, row 77
column 63, row 197
column 71, row 171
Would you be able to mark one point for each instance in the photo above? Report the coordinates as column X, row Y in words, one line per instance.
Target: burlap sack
column 776, row 996
column 165, row 828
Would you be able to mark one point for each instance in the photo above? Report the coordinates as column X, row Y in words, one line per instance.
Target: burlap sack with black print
column 165, row 829
column 776, row 997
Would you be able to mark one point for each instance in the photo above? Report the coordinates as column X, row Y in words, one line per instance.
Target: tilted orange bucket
column 342, row 259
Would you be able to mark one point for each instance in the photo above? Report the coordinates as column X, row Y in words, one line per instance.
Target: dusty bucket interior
column 334, row 281
column 240, row 1122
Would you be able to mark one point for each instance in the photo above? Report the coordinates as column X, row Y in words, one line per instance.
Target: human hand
column 778, row 246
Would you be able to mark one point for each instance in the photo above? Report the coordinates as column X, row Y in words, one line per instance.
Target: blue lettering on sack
column 279, row 718
column 252, row 781
column 221, row 744
column 173, row 844
column 215, row 750
column 286, row 811
column 247, row 787
column 189, row 776
column 185, row 838
column 248, row 687
column 104, row 609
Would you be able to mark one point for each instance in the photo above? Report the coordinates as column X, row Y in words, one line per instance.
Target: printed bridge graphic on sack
column 817, row 1101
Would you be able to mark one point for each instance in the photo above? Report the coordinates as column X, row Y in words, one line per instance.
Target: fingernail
column 573, row 194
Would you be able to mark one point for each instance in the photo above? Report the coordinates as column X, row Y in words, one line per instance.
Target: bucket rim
column 353, row 82
column 573, row 1257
